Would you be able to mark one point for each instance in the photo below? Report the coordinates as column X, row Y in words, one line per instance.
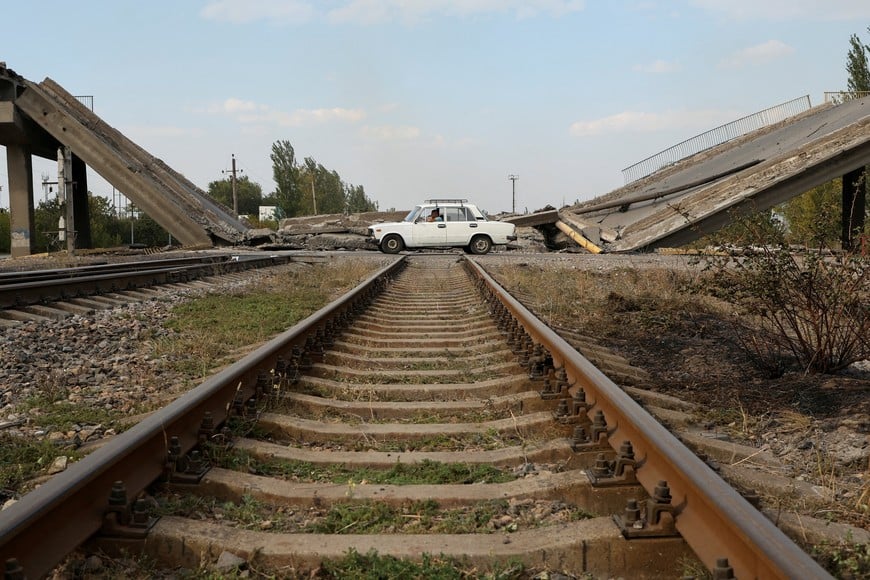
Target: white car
column 443, row 223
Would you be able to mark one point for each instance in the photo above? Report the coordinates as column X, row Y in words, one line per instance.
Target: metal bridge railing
column 86, row 100
column 840, row 97
column 715, row 137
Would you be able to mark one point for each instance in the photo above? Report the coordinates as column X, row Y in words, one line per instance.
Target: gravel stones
column 102, row 360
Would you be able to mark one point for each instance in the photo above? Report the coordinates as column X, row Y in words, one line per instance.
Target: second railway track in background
column 427, row 363
column 63, row 292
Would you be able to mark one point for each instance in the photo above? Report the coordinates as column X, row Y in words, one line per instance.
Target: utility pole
column 313, row 197
column 513, row 179
column 233, row 181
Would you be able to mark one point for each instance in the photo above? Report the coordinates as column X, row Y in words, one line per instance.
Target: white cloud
column 371, row 11
column 410, row 11
column 251, row 113
column 391, row 132
column 657, row 67
column 301, row 117
column 641, row 122
column 230, row 106
column 758, row 54
column 244, row 11
column 147, row 131
column 789, row 9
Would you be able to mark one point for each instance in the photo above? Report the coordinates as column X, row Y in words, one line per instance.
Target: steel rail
column 711, row 516
column 60, row 288
column 51, row 521
column 93, row 269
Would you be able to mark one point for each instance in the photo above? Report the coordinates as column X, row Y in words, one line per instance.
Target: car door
column 461, row 226
column 425, row 233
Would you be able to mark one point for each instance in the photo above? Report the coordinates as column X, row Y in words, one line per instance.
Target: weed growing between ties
column 21, row 460
column 847, row 559
column 360, row 415
column 352, row 566
column 425, row 472
column 369, row 517
column 373, row 565
column 207, row 331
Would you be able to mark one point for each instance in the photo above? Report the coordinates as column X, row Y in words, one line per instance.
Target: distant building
column 267, row 212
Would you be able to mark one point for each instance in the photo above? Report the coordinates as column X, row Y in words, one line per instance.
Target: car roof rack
column 436, row 201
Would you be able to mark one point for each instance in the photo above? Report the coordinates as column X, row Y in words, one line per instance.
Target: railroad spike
column 194, row 466
column 723, row 570
column 577, row 409
column 596, row 440
column 579, row 405
column 548, row 391
column 121, row 520
column 206, row 428
column 13, row 570
column 558, row 388
column 173, row 457
column 561, row 410
column 561, row 379
column 251, row 407
column 264, row 383
column 655, row 519
column 621, row 471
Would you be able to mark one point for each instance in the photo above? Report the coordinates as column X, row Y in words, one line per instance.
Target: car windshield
column 412, row 214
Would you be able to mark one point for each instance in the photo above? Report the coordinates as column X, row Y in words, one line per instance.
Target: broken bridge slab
column 701, row 194
column 43, row 116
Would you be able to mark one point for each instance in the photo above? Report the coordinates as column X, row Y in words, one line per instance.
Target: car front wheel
column 392, row 244
column 480, row 245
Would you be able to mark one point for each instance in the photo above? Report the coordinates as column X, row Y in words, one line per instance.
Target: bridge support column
column 81, row 223
column 854, row 206
column 19, row 164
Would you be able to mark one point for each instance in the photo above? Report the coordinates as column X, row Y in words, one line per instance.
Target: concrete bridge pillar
column 19, row 164
column 854, row 207
column 81, row 221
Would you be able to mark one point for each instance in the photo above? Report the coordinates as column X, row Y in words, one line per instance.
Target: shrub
column 812, row 307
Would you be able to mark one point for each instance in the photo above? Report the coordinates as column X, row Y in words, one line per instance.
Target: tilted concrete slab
column 703, row 193
column 181, row 208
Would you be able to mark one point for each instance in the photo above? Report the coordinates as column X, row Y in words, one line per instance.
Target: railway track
column 428, row 367
column 59, row 293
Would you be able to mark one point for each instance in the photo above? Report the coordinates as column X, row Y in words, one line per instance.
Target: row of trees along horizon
column 812, row 219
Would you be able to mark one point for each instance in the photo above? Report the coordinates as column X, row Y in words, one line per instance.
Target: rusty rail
column 24, row 289
column 713, row 518
column 47, row 524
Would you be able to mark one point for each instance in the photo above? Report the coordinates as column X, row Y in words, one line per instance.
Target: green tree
column 309, row 187
column 106, row 230
column 248, row 193
column 813, row 218
column 859, row 80
column 357, row 201
column 322, row 188
column 285, row 172
column 148, row 232
column 857, row 66
column 760, row 228
column 45, row 225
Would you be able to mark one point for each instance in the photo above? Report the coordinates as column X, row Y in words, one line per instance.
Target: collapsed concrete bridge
column 39, row 118
column 701, row 193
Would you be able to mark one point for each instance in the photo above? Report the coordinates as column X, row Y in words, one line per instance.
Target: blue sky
column 416, row 99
